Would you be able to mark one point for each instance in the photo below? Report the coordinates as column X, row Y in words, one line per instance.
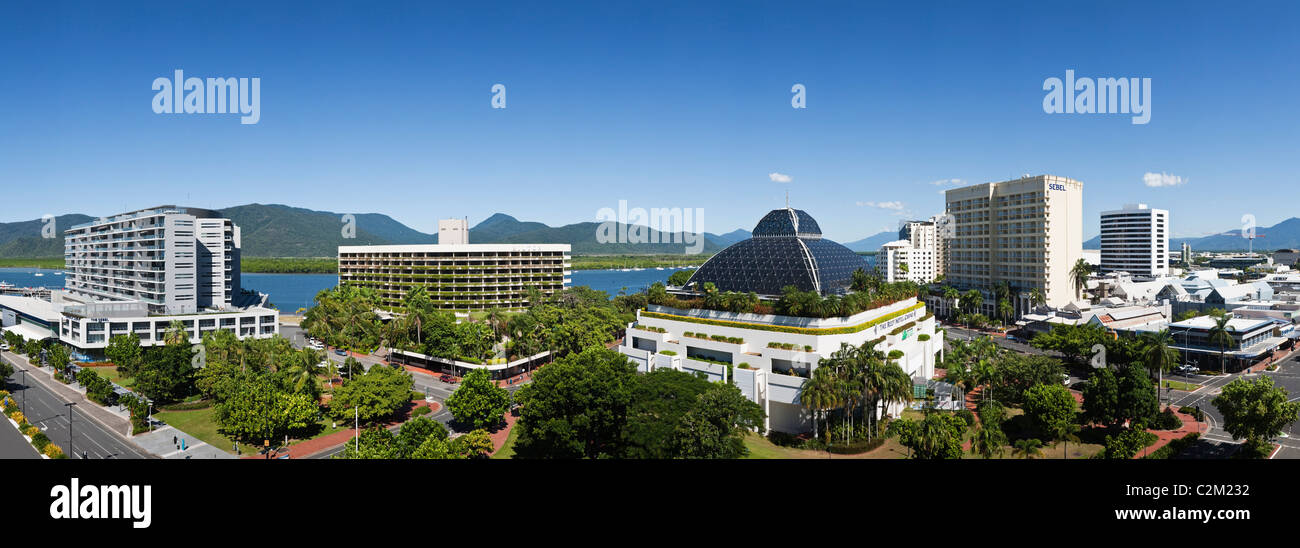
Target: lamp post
column 23, row 404
column 70, row 406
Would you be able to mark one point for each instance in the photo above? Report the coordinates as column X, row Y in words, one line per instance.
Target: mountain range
column 275, row 230
column 1284, row 235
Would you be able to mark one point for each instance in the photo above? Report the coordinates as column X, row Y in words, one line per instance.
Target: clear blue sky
column 385, row 107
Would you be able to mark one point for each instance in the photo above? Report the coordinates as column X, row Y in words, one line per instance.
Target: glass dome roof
column 787, row 249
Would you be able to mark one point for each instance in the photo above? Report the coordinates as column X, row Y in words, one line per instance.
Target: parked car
column 1188, row 369
column 4, row 347
column 1065, row 379
column 340, row 352
column 325, row 363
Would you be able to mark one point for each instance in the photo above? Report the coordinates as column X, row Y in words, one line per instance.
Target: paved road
column 46, row 410
column 1287, row 376
column 13, row 445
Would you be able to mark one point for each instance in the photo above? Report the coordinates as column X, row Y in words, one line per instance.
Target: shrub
column 967, row 415
column 668, row 352
column 18, row 417
column 807, row 348
column 895, row 354
column 421, row 410
column 784, row 439
column 40, row 440
column 31, row 431
column 1168, row 420
column 744, row 365
column 923, row 337
column 1195, row 412
column 1175, row 447
column 53, row 451
column 416, row 395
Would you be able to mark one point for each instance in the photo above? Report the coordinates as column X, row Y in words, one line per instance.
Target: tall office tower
column 453, row 231
column 1027, row 232
column 1187, row 253
column 1135, row 240
column 173, row 260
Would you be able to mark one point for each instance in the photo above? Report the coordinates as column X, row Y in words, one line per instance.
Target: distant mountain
column 276, row 230
column 724, row 240
column 1285, row 234
column 23, row 238
column 872, row 243
column 504, row 229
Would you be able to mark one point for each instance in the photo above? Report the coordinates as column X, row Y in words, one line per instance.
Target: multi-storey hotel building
column 458, row 277
column 919, row 247
column 1135, row 240
column 138, row 272
column 173, row 260
column 1027, row 232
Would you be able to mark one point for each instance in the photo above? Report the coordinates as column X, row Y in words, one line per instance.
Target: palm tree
column 1005, row 310
column 1029, row 448
column 818, row 394
column 988, row 441
column 176, row 333
column 952, row 295
column 972, row 300
column 1221, row 335
column 1079, row 276
column 1158, row 356
column 1067, row 432
column 1036, row 297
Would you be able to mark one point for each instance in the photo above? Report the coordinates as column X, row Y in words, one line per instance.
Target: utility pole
column 70, row 406
column 24, row 400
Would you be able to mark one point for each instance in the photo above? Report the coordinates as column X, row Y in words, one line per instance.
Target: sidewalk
column 113, row 418
column 1163, row 437
column 159, row 442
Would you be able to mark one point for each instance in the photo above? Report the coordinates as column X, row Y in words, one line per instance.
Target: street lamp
column 24, row 400
column 70, row 406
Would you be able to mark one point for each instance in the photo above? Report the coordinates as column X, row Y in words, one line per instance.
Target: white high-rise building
column 173, row 260
column 914, row 256
column 1027, row 232
column 453, row 231
column 1135, row 240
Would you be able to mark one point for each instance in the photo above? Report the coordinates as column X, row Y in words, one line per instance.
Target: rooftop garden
column 867, row 292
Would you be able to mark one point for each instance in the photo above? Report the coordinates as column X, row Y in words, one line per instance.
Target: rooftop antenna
column 787, row 199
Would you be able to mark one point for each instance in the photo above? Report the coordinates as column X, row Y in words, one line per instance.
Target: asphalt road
column 14, row 446
column 46, row 410
column 1287, row 376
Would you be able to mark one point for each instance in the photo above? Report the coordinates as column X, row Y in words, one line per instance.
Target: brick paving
column 1163, row 437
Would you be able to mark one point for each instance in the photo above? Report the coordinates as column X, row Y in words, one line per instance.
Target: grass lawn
column 1179, row 385
column 760, row 448
column 200, row 424
column 507, row 450
column 113, row 376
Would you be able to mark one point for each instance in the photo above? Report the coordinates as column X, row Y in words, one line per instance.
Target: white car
column 323, row 364
column 1065, row 379
column 317, row 346
column 4, row 347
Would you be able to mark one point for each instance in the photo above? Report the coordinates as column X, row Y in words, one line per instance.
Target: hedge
column 786, row 329
column 856, row 447
column 186, row 406
column 421, row 410
column 902, row 328
column 668, row 352
column 1174, row 447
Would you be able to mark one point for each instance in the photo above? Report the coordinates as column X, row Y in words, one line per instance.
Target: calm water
column 290, row 292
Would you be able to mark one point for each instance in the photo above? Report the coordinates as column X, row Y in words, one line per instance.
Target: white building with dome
column 768, row 356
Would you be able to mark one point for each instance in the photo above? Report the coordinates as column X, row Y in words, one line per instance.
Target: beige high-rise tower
column 1027, row 232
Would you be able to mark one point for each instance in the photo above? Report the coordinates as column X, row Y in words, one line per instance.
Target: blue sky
column 385, row 107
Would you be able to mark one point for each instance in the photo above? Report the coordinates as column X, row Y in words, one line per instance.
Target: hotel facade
column 136, row 273
column 768, row 356
column 459, row 277
column 1027, row 232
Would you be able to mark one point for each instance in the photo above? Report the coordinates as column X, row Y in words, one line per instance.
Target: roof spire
column 787, row 198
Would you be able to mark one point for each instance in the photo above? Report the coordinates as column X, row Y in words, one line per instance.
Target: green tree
column 972, row 300
column 1079, row 276
column 988, row 441
column 167, row 373
column 125, row 352
column 1101, row 397
column 258, row 410
column 479, row 402
column 576, row 407
column 1049, row 407
column 1028, row 448
column 375, row 395
column 1137, row 401
column 659, row 400
column 1255, row 410
column 1158, row 354
column 715, row 426
column 1221, row 334
column 679, row 278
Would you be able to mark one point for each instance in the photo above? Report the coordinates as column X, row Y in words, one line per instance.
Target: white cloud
column 779, row 177
column 1157, row 180
column 896, row 206
column 954, row 182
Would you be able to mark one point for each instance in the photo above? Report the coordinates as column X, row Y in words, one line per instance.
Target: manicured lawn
column 200, row 424
column 507, row 450
column 1179, row 385
column 113, row 376
column 761, row 448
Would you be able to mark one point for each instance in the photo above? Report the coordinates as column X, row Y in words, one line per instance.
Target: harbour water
column 289, row 292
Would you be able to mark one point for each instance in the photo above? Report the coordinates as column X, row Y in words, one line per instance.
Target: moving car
column 1188, row 369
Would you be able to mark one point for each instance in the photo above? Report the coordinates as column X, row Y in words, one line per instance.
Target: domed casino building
column 768, row 356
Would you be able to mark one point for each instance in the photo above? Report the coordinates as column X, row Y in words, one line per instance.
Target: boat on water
column 625, row 270
column 58, row 273
column 659, row 268
column 39, row 274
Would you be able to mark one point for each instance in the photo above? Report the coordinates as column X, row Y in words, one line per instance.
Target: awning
column 31, row 332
